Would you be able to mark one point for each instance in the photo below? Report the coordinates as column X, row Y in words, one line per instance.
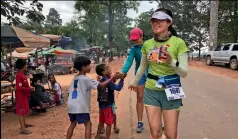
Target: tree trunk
column 199, row 46
column 213, row 24
column 110, row 38
column 235, row 20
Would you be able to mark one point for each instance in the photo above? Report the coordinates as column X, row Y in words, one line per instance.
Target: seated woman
column 39, row 98
column 56, row 90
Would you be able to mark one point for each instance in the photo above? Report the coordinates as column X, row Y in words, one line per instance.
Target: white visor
column 161, row 16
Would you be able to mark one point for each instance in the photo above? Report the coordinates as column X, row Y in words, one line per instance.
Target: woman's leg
column 140, row 107
column 140, row 103
column 154, row 119
column 171, row 123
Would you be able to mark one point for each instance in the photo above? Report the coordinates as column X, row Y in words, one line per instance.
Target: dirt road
column 209, row 111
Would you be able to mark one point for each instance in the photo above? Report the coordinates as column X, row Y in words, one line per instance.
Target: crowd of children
column 79, row 97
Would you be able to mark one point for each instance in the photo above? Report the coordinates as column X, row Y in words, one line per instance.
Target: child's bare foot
column 116, row 130
column 103, row 131
column 99, row 137
column 28, row 125
column 25, row 131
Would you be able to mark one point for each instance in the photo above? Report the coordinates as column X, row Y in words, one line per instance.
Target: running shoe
column 140, row 127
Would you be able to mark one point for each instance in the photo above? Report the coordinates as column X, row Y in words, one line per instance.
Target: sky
column 66, row 9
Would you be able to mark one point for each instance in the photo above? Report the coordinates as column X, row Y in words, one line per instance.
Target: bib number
column 174, row 92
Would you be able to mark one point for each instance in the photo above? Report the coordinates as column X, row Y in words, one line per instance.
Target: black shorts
column 79, row 117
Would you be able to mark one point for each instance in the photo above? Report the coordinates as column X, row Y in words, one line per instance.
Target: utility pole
column 213, row 24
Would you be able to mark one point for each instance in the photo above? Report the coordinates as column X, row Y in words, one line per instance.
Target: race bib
column 174, row 91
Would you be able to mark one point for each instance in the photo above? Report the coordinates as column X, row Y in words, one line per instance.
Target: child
column 106, row 100
column 79, row 96
column 40, row 93
column 22, row 95
column 56, row 88
column 116, row 129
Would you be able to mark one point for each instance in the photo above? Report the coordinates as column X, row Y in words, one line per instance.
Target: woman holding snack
column 167, row 58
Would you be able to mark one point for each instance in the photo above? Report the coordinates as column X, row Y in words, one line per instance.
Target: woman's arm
column 129, row 61
column 141, row 70
column 182, row 69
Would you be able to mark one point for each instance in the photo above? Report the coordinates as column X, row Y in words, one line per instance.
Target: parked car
column 226, row 54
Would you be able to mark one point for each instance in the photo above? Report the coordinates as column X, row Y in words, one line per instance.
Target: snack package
column 162, row 55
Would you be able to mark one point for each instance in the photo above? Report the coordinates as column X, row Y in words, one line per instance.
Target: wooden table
column 7, row 88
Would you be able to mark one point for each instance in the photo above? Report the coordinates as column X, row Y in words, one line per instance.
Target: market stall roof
column 49, row 51
column 63, row 51
column 52, row 37
column 19, row 37
column 15, row 54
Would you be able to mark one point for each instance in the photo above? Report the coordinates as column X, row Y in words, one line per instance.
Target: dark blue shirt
column 106, row 95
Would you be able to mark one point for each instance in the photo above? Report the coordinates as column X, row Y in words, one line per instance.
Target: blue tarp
column 65, row 41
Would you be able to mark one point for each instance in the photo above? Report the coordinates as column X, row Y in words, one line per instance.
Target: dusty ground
column 54, row 123
column 217, row 69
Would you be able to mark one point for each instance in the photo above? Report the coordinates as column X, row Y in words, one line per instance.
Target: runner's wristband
column 173, row 63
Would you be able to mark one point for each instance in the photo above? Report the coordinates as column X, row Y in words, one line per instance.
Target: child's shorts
column 106, row 116
column 79, row 117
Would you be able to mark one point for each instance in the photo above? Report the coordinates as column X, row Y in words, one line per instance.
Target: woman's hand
column 168, row 58
column 122, row 75
column 115, row 76
column 132, row 87
column 99, row 78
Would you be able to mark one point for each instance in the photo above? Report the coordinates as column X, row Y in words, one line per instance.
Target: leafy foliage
column 112, row 10
column 14, row 8
column 53, row 18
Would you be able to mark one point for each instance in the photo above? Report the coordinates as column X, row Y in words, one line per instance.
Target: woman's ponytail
column 172, row 30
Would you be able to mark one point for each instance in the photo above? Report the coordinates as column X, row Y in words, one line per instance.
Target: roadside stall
column 17, row 38
column 63, row 61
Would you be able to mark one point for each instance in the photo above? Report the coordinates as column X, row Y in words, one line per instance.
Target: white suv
column 226, row 53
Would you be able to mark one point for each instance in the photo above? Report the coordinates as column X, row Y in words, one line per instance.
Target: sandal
column 28, row 125
column 25, row 132
column 103, row 131
column 116, row 130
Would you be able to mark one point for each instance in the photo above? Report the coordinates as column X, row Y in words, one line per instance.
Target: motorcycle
column 7, row 76
column 96, row 59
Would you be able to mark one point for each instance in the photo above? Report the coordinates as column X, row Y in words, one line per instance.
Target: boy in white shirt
column 79, row 96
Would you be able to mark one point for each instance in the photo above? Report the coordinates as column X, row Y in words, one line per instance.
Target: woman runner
column 167, row 58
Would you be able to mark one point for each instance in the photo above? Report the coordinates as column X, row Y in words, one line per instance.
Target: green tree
column 35, row 16
column 72, row 29
column 92, row 22
column 143, row 22
column 228, row 22
column 113, row 8
column 33, row 26
column 14, row 8
column 121, row 29
column 53, row 18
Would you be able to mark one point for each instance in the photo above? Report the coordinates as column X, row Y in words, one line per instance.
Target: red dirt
column 216, row 69
column 54, row 123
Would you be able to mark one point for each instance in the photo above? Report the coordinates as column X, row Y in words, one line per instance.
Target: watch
column 177, row 63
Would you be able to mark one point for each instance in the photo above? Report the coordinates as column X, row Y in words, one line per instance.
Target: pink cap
column 135, row 33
